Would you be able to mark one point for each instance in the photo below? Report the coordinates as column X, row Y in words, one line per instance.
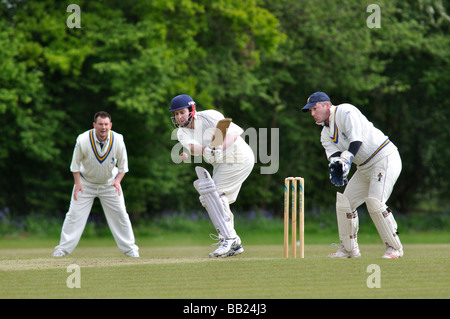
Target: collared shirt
column 99, row 165
column 347, row 124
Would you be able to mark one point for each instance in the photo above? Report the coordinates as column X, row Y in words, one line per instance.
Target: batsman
column 209, row 134
column 349, row 137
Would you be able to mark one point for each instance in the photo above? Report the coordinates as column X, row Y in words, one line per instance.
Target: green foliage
column 256, row 61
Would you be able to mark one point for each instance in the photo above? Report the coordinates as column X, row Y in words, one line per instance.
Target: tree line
column 255, row 61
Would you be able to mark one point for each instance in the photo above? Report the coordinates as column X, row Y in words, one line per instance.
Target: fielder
column 232, row 163
column 348, row 137
column 99, row 164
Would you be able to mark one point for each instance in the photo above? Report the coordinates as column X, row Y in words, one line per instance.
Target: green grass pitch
column 186, row 272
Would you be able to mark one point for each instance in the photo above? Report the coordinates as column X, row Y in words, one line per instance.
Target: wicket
column 291, row 182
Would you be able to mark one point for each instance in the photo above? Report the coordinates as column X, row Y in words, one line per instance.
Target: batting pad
column 348, row 222
column 384, row 222
column 210, row 199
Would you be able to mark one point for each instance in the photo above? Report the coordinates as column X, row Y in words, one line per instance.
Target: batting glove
column 213, row 155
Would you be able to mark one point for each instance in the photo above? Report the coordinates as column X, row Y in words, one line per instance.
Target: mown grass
column 174, row 262
column 184, row 272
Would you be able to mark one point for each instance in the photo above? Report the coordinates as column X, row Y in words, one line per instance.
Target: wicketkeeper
column 232, row 163
column 348, row 137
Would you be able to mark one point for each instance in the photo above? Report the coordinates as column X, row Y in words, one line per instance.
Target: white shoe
column 58, row 253
column 392, row 253
column 236, row 249
column 132, row 253
column 225, row 246
column 342, row 253
column 217, row 238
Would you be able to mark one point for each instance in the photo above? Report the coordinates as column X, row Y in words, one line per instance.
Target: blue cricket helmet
column 180, row 102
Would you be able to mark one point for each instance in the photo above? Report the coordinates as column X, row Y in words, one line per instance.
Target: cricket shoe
column 343, row 253
column 392, row 253
column 133, row 254
column 236, row 249
column 58, row 253
column 225, row 246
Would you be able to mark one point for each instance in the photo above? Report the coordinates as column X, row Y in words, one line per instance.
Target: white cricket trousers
column 230, row 177
column 376, row 181
column 115, row 213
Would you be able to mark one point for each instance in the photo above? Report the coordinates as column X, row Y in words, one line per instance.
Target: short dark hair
column 102, row 114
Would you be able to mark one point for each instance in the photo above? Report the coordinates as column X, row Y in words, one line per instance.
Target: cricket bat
column 221, row 131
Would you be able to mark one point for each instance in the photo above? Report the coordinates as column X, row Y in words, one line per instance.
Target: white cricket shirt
column 347, row 124
column 99, row 165
column 205, row 123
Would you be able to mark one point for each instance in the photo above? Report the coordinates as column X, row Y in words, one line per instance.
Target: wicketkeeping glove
column 339, row 168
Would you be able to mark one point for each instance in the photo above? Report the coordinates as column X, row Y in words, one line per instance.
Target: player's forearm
column 77, row 178
column 119, row 177
column 353, row 148
column 196, row 149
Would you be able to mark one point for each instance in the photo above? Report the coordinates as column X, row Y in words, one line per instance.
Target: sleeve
column 185, row 139
column 213, row 117
column 77, row 157
column 235, row 129
column 122, row 156
column 350, row 124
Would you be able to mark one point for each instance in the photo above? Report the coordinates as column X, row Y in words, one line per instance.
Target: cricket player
column 232, row 163
column 99, row 164
column 348, row 137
